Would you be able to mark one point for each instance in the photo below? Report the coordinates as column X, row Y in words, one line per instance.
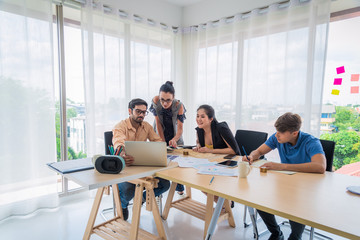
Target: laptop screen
column 147, row 153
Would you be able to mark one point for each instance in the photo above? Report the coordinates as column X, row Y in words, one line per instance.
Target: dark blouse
column 220, row 132
column 168, row 125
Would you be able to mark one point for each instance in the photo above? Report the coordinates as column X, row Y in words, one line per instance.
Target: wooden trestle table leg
column 93, row 213
column 169, row 200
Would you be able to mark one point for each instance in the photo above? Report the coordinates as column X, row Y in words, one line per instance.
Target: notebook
column 147, row 153
column 72, row 165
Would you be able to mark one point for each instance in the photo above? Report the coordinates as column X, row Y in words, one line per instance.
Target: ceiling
column 337, row 5
column 183, row 3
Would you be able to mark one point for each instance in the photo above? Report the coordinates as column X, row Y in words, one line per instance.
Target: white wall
column 340, row 5
column 157, row 10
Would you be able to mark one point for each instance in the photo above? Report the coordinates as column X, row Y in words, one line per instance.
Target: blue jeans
column 127, row 191
column 297, row 229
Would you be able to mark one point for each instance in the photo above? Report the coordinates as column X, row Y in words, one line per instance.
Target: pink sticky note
column 335, row 92
column 340, row 70
column 355, row 77
column 337, row 81
column 354, row 89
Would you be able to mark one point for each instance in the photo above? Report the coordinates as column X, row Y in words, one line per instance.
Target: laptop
column 152, row 154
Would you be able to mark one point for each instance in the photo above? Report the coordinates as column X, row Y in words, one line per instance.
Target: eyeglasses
column 139, row 112
column 166, row 100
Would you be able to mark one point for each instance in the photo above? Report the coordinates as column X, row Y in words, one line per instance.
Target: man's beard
column 138, row 119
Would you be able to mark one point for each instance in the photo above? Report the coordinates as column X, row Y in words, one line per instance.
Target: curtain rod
column 123, row 14
column 262, row 10
column 244, row 15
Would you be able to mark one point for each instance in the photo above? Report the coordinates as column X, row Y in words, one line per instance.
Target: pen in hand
column 212, row 179
column 247, row 157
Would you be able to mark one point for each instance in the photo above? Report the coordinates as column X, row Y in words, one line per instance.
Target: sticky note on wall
column 354, row 89
column 340, row 70
column 337, row 81
column 355, row 77
column 335, row 92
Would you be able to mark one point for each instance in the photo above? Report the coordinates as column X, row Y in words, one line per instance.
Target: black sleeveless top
column 219, row 132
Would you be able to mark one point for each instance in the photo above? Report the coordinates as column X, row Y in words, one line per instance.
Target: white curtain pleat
column 123, row 59
column 259, row 66
column 27, row 122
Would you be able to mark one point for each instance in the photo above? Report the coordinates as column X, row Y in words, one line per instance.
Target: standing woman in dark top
column 169, row 118
column 213, row 136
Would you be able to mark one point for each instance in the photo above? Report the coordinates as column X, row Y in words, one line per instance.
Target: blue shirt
column 306, row 147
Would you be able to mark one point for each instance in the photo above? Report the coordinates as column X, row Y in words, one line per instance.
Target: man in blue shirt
column 298, row 152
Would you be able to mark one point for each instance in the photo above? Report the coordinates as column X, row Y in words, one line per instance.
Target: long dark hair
column 209, row 110
column 168, row 88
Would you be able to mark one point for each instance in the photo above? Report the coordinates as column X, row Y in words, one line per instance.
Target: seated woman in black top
column 212, row 136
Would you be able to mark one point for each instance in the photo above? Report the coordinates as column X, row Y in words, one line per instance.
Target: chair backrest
column 328, row 147
column 108, row 141
column 251, row 140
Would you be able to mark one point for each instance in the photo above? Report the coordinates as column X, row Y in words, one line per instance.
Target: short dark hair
column 288, row 122
column 209, row 110
column 137, row 102
column 167, row 88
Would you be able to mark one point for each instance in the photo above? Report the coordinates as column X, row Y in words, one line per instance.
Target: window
column 341, row 89
column 216, row 80
column 27, row 123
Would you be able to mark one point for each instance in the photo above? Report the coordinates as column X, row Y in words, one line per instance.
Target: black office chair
column 108, row 136
column 250, row 140
column 108, row 141
column 329, row 148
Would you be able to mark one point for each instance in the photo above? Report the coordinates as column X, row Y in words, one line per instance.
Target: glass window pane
column 340, row 119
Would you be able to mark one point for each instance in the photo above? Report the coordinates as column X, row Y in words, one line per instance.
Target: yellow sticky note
column 335, row 92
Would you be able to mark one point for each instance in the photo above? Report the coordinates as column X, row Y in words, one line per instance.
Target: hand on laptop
column 129, row 160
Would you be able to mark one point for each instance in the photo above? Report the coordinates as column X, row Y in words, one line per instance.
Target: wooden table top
column 92, row 179
column 317, row 200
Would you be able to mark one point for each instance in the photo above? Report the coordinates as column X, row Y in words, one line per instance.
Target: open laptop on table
column 147, row 153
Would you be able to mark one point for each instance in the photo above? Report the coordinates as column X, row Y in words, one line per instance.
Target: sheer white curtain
column 27, row 122
column 256, row 66
column 123, row 59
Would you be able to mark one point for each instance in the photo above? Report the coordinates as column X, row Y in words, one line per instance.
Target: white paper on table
column 210, row 164
column 218, row 170
column 259, row 163
column 187, row 162
column 172, row 157
column 284, row 172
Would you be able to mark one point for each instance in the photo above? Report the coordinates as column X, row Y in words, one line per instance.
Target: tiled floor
column 69, row 220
